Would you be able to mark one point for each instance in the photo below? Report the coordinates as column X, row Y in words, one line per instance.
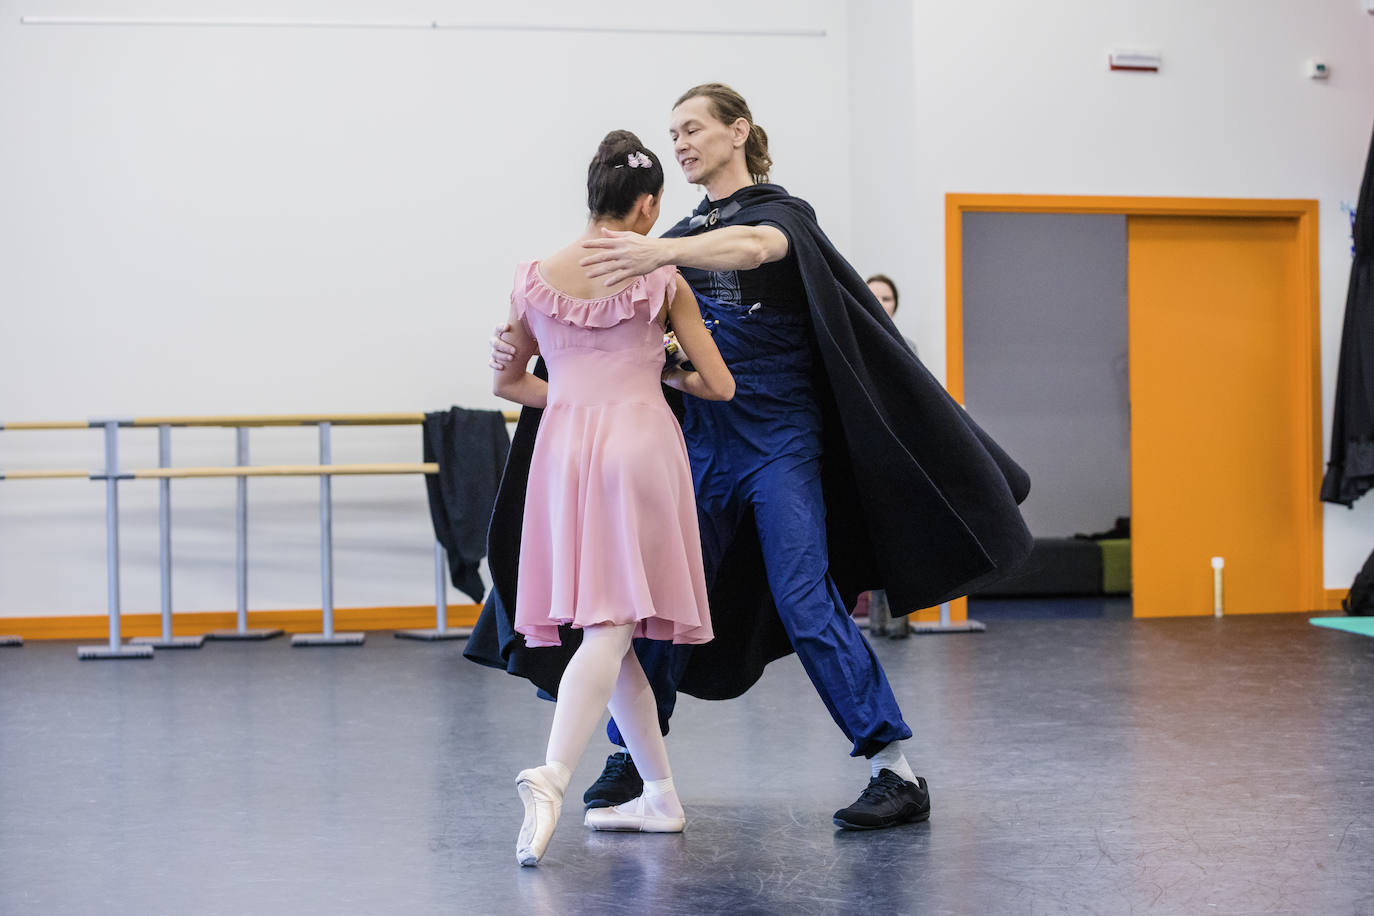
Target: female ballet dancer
column 610, row 543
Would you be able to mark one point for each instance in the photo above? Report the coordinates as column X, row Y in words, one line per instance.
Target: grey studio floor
column 1078, row 764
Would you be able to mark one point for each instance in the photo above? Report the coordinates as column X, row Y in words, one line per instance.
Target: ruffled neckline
column 605, row 312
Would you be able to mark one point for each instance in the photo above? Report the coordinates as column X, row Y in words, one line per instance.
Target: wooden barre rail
column 304, row 419
column 286, row 470
column 45, row 475
column 410, row 418
column 265, row 470
column 48, row 424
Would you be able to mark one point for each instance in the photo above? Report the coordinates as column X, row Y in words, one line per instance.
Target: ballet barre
column 44, row 475
column 284, row 470
column 164, row 473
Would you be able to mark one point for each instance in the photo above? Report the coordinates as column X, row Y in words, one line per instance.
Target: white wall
column 882, row 136
column 278, row 220
column 1014, row 97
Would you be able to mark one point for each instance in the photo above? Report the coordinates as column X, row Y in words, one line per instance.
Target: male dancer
column 853, row 480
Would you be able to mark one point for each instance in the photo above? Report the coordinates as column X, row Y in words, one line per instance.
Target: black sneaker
column 888, row 801
column 619, row 782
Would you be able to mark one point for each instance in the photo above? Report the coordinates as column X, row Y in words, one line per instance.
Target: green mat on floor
column 1362, row 625
column 1116, row 565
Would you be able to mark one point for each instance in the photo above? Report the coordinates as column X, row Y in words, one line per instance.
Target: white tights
column 604, row 671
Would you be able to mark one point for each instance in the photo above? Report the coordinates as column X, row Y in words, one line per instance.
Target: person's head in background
column 886, row 291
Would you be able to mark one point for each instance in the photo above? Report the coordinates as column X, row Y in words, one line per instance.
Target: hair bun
column 616, row 145
column 621, row 171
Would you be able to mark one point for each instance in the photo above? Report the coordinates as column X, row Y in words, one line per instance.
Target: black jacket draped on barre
column 470, row 447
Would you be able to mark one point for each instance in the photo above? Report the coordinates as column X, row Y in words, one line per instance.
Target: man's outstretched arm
column 618, row 256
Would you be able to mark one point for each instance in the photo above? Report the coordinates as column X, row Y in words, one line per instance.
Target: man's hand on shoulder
column 618, row 256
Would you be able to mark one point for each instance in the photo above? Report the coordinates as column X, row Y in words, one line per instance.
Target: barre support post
column 944, row 626
column 326, row 636
column 241, row 630
column 440, row 589
column 441, row 628
column 164, row 531
column 115, row 648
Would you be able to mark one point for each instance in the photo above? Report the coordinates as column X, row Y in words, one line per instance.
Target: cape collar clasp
column 713, row 216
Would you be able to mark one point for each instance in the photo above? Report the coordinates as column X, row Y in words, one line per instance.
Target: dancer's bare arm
column 711, row 379
column 618, row 256
column 510, row 380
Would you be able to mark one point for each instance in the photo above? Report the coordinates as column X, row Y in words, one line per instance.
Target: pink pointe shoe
column 635, row 816
column 543, row 802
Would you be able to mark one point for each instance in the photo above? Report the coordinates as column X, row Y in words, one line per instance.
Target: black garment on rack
column 1350, row 470
column 470, row 447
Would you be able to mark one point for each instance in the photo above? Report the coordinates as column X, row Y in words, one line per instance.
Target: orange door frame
column 1308, row 344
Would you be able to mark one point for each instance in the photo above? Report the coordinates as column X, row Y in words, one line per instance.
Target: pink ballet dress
column 610, row 530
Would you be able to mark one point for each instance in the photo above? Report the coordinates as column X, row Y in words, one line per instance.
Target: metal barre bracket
column 944, row 626
column 241, row 631
column 244, row 635
column 327, row 636
column 164, row 525
column 434, row 635
column 86, row 653
column 306, row 640
column 441, row 628
column 115, row 648
column 968, row 626
column 175, row 642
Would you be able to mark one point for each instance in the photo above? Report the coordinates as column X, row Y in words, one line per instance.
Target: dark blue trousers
column 762, row 452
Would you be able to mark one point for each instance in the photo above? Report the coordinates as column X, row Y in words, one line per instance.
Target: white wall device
column 1140, row 60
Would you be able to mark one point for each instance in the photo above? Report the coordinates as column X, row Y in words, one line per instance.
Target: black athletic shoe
column 888, row 801
column 619, row 782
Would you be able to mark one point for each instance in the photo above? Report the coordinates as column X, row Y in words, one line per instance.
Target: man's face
column 702, row 145
column 885, row 297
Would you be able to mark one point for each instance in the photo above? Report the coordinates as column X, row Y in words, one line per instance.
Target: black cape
column 919, row 500
column 1350, row 471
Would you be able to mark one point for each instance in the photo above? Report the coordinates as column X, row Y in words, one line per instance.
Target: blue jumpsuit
column 762, row 451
